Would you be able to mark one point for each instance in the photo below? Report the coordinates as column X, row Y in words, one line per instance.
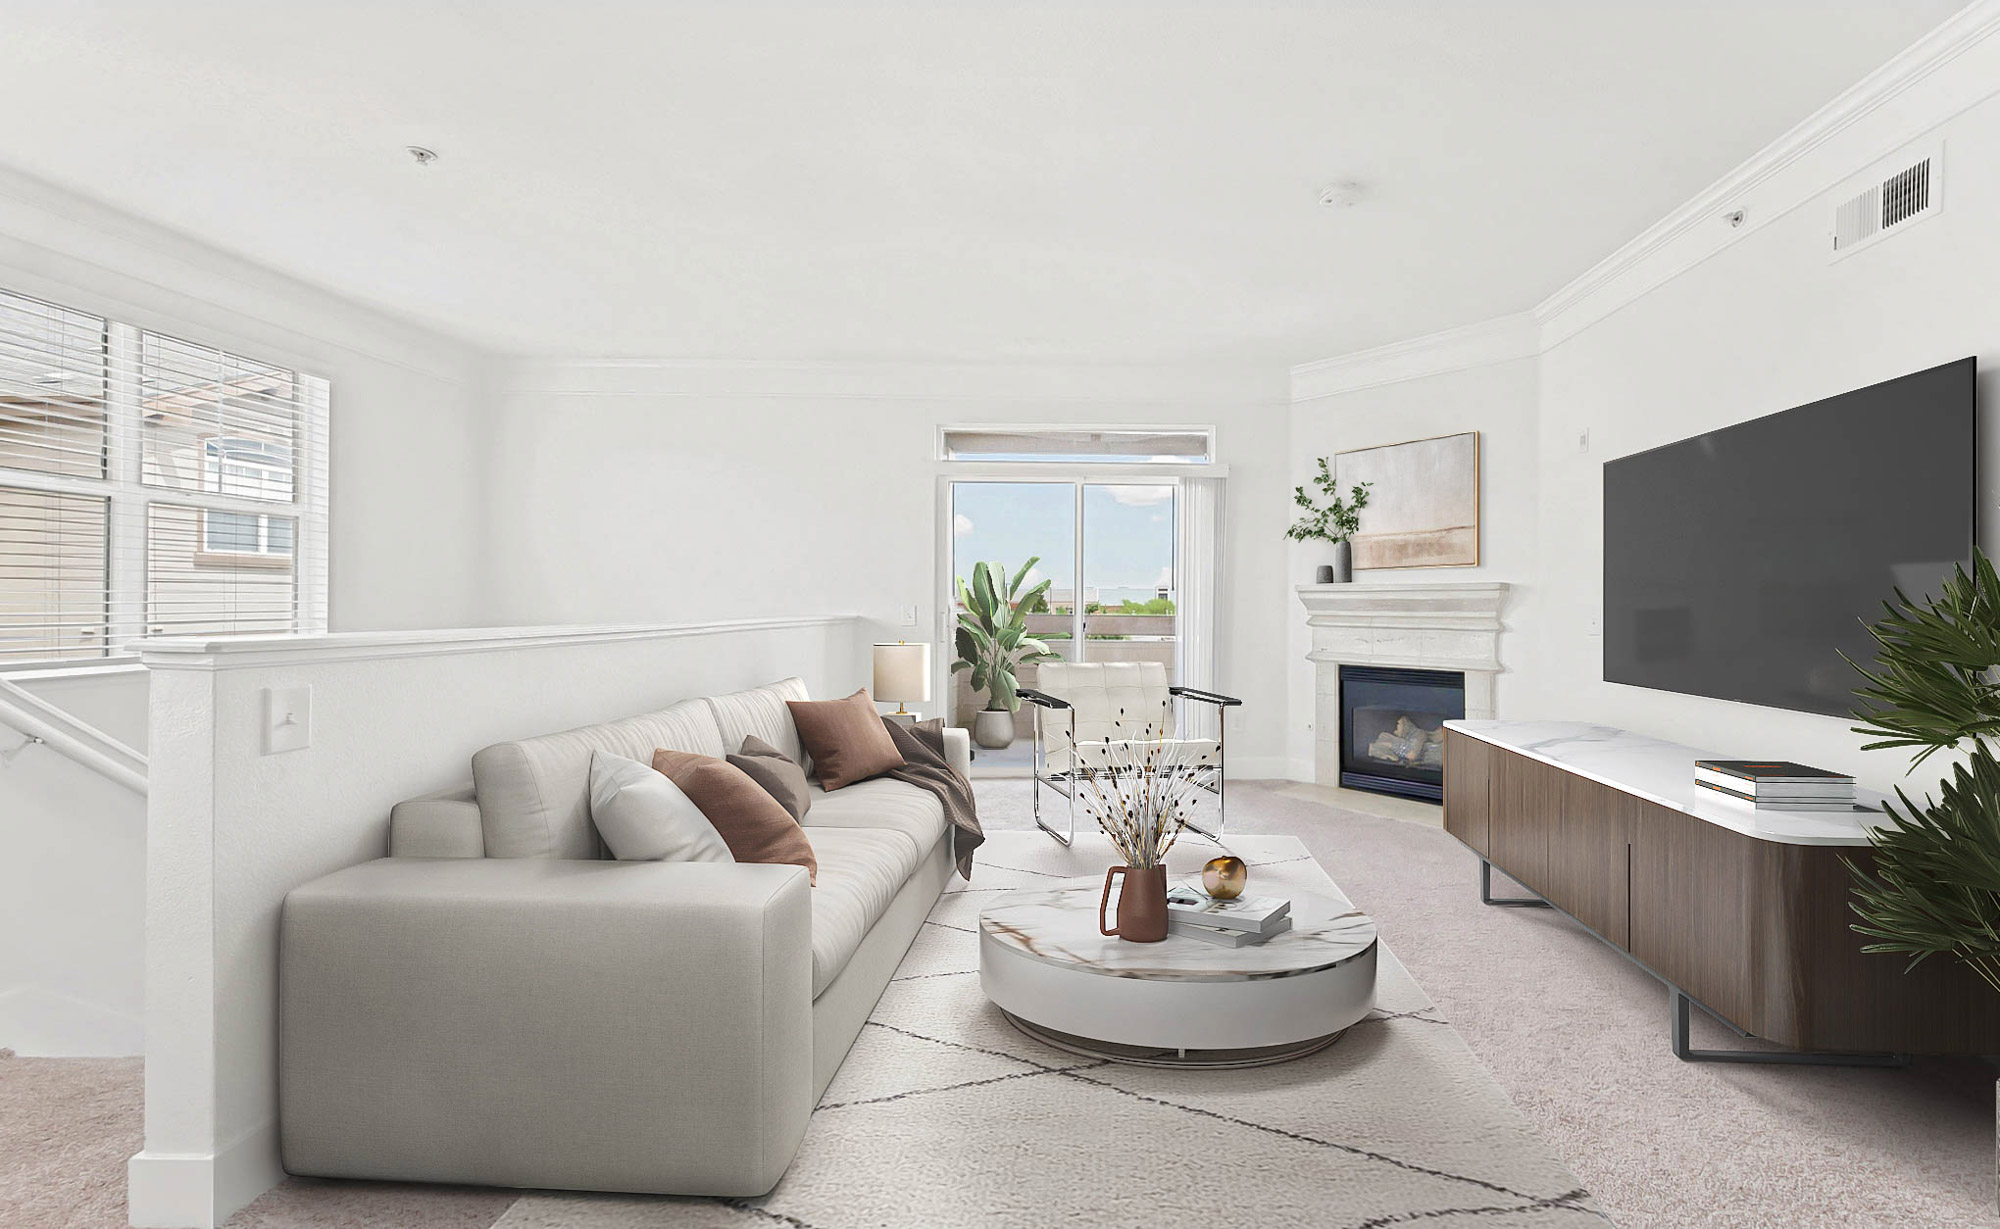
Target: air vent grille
column 1907, row 195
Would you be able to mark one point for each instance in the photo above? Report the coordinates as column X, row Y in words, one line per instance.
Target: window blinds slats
column 52, row 384
column 211, row 468
column 52, row 575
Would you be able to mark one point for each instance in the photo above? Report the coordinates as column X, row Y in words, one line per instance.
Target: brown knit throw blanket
column 925, row 765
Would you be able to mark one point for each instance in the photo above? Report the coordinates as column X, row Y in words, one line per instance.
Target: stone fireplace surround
column 1448, row 626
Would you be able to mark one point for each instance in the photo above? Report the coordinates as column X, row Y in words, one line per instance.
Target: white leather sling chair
column 1081, row 708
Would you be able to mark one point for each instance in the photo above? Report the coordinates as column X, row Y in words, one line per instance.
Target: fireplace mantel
column 1449, row 626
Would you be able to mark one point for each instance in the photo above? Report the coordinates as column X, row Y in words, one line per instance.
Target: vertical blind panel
column 217, row 423
column 53, row 385
column 213, row 572
column 53, row 568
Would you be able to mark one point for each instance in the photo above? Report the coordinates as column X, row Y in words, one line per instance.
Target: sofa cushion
column 780, row 776
column 860, row 872
column 534, row 793
column 644, row 817
column 761, row 711
column 756, row 827
column 895, row 806
column 845, row 739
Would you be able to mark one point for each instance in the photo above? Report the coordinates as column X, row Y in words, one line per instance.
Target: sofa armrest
column 612, row 1026
column 958, row 750
column 441, row 825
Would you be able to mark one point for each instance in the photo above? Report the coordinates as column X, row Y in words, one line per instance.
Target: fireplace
column 1392, row 728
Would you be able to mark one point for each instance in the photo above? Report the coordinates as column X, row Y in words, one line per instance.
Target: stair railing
column 44, row 723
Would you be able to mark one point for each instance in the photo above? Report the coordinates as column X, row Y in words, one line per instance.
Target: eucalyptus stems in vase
column 1337, row 521
column 1140, row 791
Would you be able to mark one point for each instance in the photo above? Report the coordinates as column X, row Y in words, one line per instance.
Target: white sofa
column 495, row 1003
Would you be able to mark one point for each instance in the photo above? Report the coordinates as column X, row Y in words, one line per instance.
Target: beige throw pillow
column 754, row 825
column 845, row 739
column 777, row 772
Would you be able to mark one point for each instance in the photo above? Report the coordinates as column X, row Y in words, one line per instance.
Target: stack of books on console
column 1776, row 785
column 1226, row 923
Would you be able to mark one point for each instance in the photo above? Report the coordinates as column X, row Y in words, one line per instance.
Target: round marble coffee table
column 1181, row 1002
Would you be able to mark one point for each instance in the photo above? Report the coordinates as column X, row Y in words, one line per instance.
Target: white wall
column 404, row 552
column 1692, row 326
column 1496, row 399
column 1766, row 324
column 232, row 830
column 672, row 491
column 72, row 898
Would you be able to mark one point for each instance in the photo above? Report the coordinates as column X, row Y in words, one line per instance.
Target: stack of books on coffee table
column 1239, row 922
column 1776, row 785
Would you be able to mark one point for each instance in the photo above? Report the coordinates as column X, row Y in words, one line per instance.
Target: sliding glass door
column 1109, row 550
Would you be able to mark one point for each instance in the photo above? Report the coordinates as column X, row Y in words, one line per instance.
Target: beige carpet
column 1575, row 1034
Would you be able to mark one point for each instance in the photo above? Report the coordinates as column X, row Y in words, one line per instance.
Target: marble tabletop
column 1662, row 772
column 1058, row 926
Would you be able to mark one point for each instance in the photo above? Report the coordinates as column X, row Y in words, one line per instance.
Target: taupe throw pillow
column 752, row 823
column 776, row 772
column 845, row 739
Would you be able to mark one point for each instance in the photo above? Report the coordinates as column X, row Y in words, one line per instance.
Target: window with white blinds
column 151, row 486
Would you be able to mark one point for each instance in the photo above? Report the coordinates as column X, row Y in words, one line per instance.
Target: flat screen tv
column 1741, row 564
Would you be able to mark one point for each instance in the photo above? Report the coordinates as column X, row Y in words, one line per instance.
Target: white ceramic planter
column 993, row 728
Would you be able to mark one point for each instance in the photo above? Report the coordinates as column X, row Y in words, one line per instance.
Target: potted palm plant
column 1336, row 521
column 993, row 643
column 1934, row 889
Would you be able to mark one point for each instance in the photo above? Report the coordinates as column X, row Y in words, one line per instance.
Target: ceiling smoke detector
column 1343, row 195
column 424, row 157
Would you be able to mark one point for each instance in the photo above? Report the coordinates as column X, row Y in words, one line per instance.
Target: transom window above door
column 1079, row 445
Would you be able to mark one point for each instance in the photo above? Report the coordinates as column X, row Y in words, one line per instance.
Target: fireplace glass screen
column 1392, row 728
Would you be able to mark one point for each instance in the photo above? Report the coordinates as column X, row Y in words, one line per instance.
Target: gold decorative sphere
column 1224, row 877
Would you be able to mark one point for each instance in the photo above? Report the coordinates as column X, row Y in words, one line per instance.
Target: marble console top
column 1058, row 926
column 1663, row 772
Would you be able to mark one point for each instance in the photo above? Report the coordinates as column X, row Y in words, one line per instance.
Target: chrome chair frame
column 1212, row 779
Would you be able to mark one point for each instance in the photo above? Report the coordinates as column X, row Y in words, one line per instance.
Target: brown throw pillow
column 775, row 771
column 845, row 739
column 752, row 823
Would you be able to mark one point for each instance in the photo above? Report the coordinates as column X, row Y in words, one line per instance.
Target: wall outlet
column 287, row 719
column 1583, row 439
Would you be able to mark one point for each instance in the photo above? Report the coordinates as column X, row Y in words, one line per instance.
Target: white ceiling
column 1087, row 182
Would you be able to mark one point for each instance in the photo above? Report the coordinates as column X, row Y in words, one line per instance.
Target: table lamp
column 902, row 672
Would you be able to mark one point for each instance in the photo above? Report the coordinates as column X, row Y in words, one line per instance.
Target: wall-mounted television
column 1742, row 563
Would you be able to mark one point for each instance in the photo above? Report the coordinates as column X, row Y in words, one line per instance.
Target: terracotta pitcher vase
column 1142, row 903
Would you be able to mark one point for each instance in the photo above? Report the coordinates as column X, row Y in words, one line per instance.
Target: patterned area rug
column 945, row 1115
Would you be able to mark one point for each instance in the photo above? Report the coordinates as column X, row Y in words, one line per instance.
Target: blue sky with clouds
column 1128, row 532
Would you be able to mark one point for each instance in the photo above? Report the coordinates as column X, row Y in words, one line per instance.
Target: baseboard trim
column 201, row 1190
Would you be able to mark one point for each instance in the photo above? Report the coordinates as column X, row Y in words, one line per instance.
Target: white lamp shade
column 902, row 672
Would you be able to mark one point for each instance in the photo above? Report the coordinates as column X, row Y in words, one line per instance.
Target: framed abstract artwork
column 1423, row 509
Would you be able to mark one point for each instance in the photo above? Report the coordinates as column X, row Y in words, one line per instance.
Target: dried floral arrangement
column 1141, row 789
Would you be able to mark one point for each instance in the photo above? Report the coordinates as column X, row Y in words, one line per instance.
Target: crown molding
column 1475, row 345
column 1889, row 108
column 981, row 383
column 58, row 245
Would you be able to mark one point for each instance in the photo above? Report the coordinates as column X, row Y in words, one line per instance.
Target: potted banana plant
column 993, row 643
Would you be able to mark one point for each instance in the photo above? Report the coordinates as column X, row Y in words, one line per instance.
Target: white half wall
column 232, row 829
column 691, row 490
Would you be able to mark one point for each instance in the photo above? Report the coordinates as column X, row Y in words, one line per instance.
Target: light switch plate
column 909, row 616
column 287, row 719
